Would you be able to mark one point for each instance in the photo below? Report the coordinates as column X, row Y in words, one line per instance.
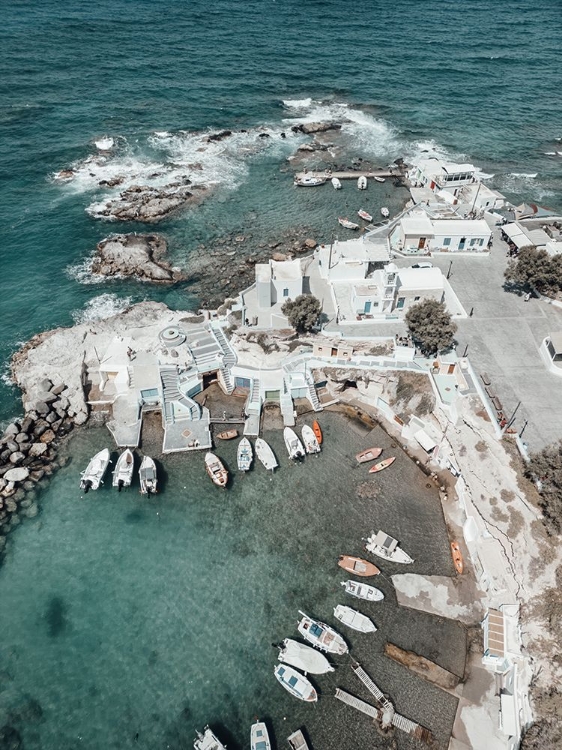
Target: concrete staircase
column 253, row 410
column 229, row 355
column 287, row 406
column 312, row 395
column 171, row 394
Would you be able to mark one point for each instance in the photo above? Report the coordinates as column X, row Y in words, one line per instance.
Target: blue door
column 367, row 307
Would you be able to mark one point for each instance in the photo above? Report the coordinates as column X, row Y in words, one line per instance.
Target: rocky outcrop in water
column 309, row 128
column 149, row 204
column 138, row 255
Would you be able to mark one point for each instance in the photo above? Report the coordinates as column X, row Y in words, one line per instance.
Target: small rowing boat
column 336, row 183
column 297, row 741
column 208, row 741
column 317, row 431
column 354, row 619
column 266, row 455
column 309, row 439
column 294, row 446
column 457, row 557
column 385, row 212
column 295, row 683
column 123, row 472
column 228, row 435
column 92, row 477
column 345, row 222
column 358, row 566
column 147, row 476
column 382, row 465
column 321, row 635
column 379, row 179
column 309, row 181
column 364, row 215
column 259, row 737
column 362, row 182
column 304, row 657
column 363, row 591
column 244, row 455
column 216, row 470
column 386, row 546
column 369, row 454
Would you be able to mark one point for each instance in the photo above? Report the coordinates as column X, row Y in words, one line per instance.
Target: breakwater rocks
column 148, row 203
column 138, row 255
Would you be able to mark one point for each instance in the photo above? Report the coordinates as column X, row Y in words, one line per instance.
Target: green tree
column 546, row 467
column 303, row 312
column 431, row 326
column 535, row 268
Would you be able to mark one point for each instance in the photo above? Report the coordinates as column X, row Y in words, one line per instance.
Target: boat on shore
column 259, row 737
column 317, row 431
column 148, row 477
column 295, row 683
column 244, row 455
column 457, row 557
column 354, row 619
column 265, row 454
column 369, row 454
column 364, row 215
column 382, row 465
column 294, row 446
column 124, row 468
column 321, row 635
column 309, row 439
column 358, row 566
column 363, row 591
column 379, row 179
column 228, row 435
column 216, row 470
column 208, row 741
column 385, row 546
column 336, row 183
column 362, row 182
column 309, row 181
column 345, row 222
column 92, row 477
column 385, row 212
column 304, row 657
column 297, row 741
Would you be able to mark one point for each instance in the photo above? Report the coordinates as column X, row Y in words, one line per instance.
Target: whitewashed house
column 414, row 233
column 352, row 259
column 460, row 235
column 278, row 281
column 416, row 285
column 438, row 175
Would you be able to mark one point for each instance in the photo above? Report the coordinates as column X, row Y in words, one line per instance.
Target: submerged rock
column 138, row 255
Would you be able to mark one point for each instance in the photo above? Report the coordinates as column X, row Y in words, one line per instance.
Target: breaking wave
column 101, row 307
column 524, row 183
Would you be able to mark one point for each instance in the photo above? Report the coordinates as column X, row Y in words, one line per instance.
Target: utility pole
column 512, row 419
column 465, row 351
column 523, row 428
column 330, row 256
column 475, row 197
column 449, row 271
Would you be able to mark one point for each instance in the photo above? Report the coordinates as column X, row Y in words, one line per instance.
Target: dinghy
column 92, row 477
column 304, row 657
column 123, row 473
column 364, row 215
column 309, row 439
column 362, row 182
column 386, row 546
column 336, row 183
column 295, row 683
column 294, row 446
column 379, row 179
column 147, row 476
column 345, row 222
column 216, row 470
column 297, row 741
column 317, row 431
column 382, row 465
column 357, row 566
column 385, row 212
column 457, row 557
column 228, row 435
column 321, row 635
column 265, row 454
column 259, row 737
column 363, row 591
column 244, row 455
column 369, row 454
column 354, row 619
column 208, row 741
column 309, row 181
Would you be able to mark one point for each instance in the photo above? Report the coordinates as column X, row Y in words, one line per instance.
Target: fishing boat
column 457, row 557
column 382, row 465
column 345, row 222
column 364, row 215
column 385, row 546
column 296, row 683
column 354, row 619
column 216, row 470
column 321, row 635
column 147, row 476
column 309, row 181
column 309, row 439
column 123, row 473
column 385, row 212
column 265, row 454
column 358, row 566
column 244, row 455
column 369, row 454
column 293, row 444
column 259, row 737
column 105, row 144
column 336, row 183
column 362, row 182
column 304, row 657
column 379, row 179
column 228, row 435
column 92, row 477
column 208, row 741
column 317, row 431
column 297, row 741
column 363, row 591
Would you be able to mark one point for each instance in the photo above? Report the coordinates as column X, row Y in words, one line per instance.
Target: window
column 462, row 243
column 416, row 299
column 480, row 242
column 473, row 242
column 447, row 241
column 400, row 303
column 285, row 292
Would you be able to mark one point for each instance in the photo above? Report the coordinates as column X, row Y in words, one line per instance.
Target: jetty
column 348, row 175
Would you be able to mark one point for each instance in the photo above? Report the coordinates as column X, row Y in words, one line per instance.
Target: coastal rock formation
column 148, row 204
column 138, row 255
column 309, row 128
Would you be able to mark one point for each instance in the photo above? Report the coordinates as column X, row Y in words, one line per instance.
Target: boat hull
column 322, row 636
column 363, row 591
column 216, row 471
column 295, row 683
column 266, row 455
column 382, row 465
column 93, row 476
column 295, row 448
column 368, row 455
column 317, row 431
column 124, row 469
column 358, row 566
column 148, row 477
column 259, row 737
column 309, row 439
column 354, row 619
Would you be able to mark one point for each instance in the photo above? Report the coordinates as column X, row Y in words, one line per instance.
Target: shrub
column 431, row 326
column 303, row 313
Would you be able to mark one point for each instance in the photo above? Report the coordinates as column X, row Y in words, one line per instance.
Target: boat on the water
column 123, row 472
column 265, row 454
column 208, row 741
column 379, row 179
column 147, row 476
column 105, row 144
column 295, row 683
column 309, row 439
column 358, row 566
column 297, row 741
column 362, row 182
column 385, row 212
column 244, row 455
column 216, row 470
column 457, row 557
column 304, row 657
column 321, row 635
column 385, row 546
column 294, row 446
column 317, row 431
column 369, row 454
column 336, row 183
column 363, row 591
column 92, row 477
column 228, row 435
column 364, row 215
column 382, row 465
column 345, row 222
column 259, row 737
column 309, row 181
column 354, row 619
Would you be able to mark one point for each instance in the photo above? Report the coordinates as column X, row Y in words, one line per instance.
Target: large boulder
column 16, row 475
column 37, row 449
column 137, row 255
column 17, row 457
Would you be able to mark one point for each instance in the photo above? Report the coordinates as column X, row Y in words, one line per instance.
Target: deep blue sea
column 466, row 79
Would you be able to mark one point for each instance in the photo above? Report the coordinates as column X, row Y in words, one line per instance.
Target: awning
column 426, row 442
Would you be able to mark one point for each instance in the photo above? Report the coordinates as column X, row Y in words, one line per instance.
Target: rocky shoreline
column 140, row 256
column 149, row 204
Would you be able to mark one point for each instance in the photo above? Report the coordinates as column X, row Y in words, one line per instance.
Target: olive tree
column 545, row 467
column 430, row 326
column 303, row 312
column 535, row 268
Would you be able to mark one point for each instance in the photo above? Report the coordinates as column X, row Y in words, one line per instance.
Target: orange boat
column 369, row 454
column 357, row 566
column 382, row 465
column 457, row 557
column 317, row 431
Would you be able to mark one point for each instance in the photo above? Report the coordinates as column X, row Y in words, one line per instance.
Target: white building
column 352, row 259
column 479, row 197
column 553, row 247
column 417, row 233
column 278, row 281
column 438, row 175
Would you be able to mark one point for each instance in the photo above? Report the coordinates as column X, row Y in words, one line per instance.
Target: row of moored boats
column 259, row 739
column 123, row 473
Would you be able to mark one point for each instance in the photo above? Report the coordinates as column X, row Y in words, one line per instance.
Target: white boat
column 385, row 546
column 304, row 657
column 309, row 181
column 364, row 215
column 92, row 477
column 215, row 470
column 385, row 212
column 148, row 477
column 297, row 741
column 362, row 182
column 244, row 455
column 259, row 737
column 321, row 635
column 336, row 183
column 123, row 472
column 363, row 591
column 354, row 619
column 295, row 448
column 105, row 144
column 208, row 741
column 309, row 439
column 296, row 683
column 265, row 454
column 345, row 222
column 379, row 179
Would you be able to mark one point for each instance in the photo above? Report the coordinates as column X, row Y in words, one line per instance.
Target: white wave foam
column 524, row 183
column 101, row 307
column 83, row 274
column 297, row 103
column 523, row 175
